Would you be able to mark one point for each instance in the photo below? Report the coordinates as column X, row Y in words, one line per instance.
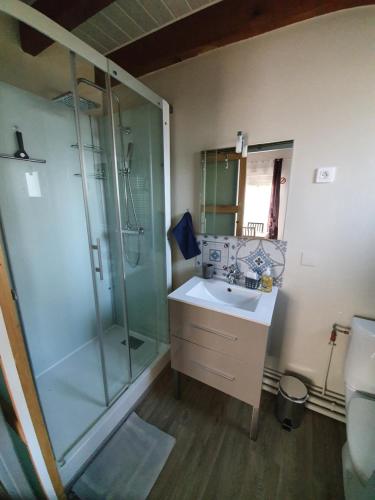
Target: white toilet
column 358, row 454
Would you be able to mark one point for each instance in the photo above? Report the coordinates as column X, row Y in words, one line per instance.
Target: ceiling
column 146, row 35
column 124, row 21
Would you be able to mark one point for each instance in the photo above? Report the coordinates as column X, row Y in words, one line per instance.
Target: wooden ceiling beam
column 67, row 13
column 223, row 23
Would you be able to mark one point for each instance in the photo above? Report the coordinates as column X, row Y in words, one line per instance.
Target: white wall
column 313, row 82
column 47, row 75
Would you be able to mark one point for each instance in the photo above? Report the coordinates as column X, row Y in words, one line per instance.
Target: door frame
column 15, row 363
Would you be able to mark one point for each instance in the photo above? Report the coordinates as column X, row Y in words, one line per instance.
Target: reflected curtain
column 273, row 215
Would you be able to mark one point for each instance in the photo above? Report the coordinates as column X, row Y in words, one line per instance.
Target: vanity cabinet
column 221, row 350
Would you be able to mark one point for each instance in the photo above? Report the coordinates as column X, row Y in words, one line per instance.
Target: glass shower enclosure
column 83, row 227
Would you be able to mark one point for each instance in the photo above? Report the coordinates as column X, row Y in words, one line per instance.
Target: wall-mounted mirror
column 246, row 197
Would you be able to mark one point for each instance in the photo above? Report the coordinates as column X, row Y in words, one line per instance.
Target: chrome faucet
column 234, row 274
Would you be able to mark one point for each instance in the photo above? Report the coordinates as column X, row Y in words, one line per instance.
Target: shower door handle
column 99, row 269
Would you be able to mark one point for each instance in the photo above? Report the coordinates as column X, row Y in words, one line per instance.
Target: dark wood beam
column 223, row 23
column 67, row 13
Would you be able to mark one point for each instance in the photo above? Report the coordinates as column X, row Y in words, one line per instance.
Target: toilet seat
column 361, row 435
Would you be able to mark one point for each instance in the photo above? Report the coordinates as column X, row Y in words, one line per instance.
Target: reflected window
column 245, row 196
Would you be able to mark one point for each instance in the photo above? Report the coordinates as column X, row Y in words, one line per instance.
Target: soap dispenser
column 267, row 280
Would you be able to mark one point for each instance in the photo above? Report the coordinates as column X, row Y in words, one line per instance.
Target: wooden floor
column 214, row 459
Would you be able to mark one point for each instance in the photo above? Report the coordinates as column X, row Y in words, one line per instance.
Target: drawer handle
column 226, row 336
column 214, row 371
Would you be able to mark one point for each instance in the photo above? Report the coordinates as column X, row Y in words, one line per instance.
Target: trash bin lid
column 292, row 388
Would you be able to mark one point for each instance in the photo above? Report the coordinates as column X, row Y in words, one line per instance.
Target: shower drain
column 133, row 342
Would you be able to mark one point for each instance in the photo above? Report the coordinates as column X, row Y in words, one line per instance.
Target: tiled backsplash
column 250, row 254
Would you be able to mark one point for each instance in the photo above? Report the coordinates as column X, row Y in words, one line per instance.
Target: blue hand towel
column 185, row 237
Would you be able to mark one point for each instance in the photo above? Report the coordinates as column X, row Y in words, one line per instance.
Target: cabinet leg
column 177, row 384
column 254, row 423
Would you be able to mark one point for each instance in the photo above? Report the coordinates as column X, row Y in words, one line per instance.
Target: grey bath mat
column 128, row 465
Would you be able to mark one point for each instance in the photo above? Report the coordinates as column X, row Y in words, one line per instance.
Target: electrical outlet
column 325, row 174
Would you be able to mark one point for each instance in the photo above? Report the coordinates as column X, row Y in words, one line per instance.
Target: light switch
column 325, row 174
column 308, row 259
column 33, row 186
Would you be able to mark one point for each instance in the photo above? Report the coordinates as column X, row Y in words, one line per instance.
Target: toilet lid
column 361, row 435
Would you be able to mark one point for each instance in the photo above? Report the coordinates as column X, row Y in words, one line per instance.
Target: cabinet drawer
column 229, row 335
column 222, row 372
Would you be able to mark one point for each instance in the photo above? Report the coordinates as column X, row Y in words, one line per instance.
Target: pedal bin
column 290, row 405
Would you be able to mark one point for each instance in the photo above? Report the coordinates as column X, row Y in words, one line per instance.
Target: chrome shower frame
column 88, row 226
column 125, row 170
column 51, row 29
column 28, row 15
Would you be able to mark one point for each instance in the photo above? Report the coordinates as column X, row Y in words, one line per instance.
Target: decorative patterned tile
column 214, row 255
column 249, row 254
column 215, row 250
column 259, row 254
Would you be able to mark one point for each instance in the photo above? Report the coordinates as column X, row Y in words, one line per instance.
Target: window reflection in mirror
column 246, row 196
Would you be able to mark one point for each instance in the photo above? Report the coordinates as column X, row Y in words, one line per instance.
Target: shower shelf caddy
column 11, row 157
column 89, row 147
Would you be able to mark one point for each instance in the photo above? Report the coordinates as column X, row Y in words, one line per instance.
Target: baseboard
column 329, row 404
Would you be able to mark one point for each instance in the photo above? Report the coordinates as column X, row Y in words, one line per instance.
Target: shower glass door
column 101, row 192
column 83, row 230
column 44, row 234
column 138, row 131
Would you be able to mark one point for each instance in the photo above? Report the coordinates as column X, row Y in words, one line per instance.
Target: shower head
column 68, row 100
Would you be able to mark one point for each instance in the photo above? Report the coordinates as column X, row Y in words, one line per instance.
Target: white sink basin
column 220, row 292
column 218, row 295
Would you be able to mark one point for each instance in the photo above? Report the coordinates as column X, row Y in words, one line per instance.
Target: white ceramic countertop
column 220, row 296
